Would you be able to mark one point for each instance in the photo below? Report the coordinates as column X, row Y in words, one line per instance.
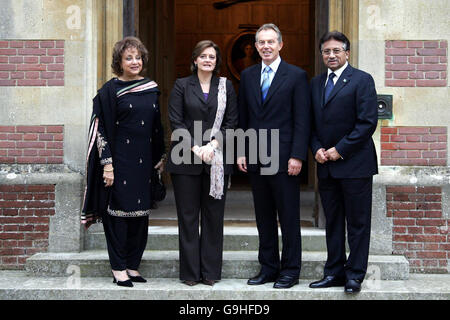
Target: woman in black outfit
column 200, row 188
column 126, row 143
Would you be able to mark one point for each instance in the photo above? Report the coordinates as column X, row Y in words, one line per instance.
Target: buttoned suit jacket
column 187, row 104
column 346, row 121
column 286, row 108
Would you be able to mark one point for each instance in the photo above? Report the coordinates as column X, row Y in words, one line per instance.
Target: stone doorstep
column 235, row 239
column 238, row 206
column 165, row 264
column 17, row 285
column 233, row 213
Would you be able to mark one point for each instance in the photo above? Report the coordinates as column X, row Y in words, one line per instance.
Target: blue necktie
column 266, row 83
column 329, row 87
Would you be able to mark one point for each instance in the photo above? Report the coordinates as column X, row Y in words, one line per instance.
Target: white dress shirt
column 338, row 73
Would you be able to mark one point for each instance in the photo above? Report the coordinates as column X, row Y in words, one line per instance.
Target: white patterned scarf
column 217, row 169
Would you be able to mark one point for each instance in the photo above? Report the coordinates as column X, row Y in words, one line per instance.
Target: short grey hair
column 268, row 26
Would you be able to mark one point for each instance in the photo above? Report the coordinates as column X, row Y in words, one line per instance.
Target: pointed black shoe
column 328, row 281
column 126, row 283
column 352, row 286
column 137, row 279
column 261, row 278
column 285, row 282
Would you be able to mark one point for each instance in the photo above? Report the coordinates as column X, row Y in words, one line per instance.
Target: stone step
column 235, row 238
column 17, row 285
column 244, row 197
column 238, row 207
column 165, row 264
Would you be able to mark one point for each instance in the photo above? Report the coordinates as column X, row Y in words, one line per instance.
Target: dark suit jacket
column 346, row 121
column 186, row 105
column 286, row 108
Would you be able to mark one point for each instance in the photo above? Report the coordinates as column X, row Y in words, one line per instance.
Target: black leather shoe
column 209, row 282
column 126, row 283
column 190, row 283
column 352, row 286
column 137, row 279
column 285, row 282
column 261, row 279
column 328, row 281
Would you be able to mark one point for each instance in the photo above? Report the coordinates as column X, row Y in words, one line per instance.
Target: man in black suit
column 274, row 96
column 345, row 117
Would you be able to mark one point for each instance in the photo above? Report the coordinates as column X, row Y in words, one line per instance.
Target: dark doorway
column 171, row 28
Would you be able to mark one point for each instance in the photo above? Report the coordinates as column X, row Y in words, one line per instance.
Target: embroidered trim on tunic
column 101, row 143
column 120, row 213
column 106, row 161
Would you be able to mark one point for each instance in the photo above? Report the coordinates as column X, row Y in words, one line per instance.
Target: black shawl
column 96, row 197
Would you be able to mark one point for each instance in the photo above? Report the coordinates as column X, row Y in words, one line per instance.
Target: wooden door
column 156, row 30
column 197, row 20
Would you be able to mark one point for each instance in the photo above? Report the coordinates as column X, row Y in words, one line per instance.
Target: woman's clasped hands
column 206, row 152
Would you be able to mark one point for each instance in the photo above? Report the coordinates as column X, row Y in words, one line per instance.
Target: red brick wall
column 31, row 144
column 420, row 231
column 416, row 63
column 414, row 146
column 31, row 62
column 25, row 212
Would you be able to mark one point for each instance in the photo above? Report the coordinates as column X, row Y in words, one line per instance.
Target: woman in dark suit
column 126, row 143
column 199, row 173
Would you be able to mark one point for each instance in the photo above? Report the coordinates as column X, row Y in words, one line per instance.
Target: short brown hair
column 199, row 48
column 119, row 49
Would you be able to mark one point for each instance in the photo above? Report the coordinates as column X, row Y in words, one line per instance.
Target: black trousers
column 200, row 253
column 347, row 200
column 278, row 195
column 126, row 239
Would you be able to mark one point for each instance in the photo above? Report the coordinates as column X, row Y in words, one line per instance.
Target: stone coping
column 423, row 176
column 388, row 175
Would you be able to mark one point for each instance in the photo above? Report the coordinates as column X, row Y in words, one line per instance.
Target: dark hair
column 199, row 48
column 119, row 49
column 335, row 35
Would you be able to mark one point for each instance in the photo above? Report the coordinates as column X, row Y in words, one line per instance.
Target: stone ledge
column 14, row 177
column 414, row 175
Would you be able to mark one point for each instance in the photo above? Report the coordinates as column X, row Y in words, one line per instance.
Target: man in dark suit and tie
column 274, row 96
column 345, row 117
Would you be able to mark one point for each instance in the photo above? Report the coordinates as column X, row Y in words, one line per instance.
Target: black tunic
column 138, row 146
